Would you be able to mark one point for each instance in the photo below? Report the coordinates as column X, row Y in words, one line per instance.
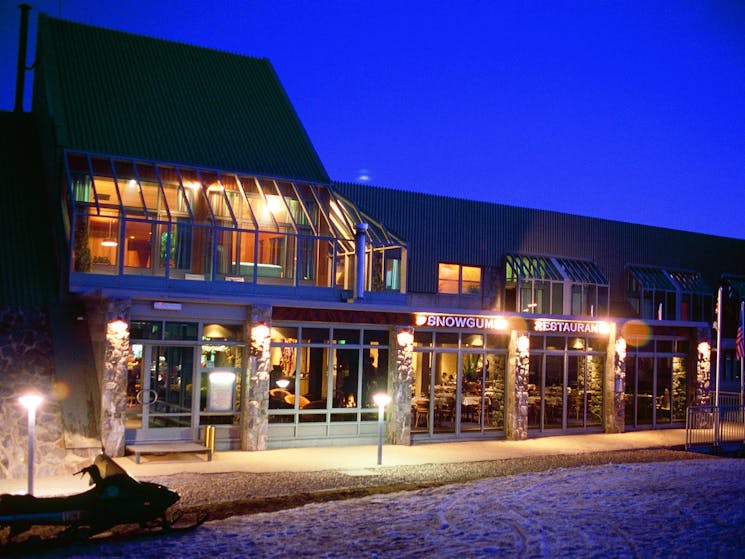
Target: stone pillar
column 614, row 384
column 516, row 387
column 399, row 423
column 703, row 375
column 254, row 420
column 114, row 377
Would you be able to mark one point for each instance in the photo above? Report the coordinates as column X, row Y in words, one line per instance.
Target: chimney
column 22, row 46
column 359, row 242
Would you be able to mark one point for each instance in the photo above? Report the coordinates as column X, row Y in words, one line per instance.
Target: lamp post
column 381, row 400
column 31, row 402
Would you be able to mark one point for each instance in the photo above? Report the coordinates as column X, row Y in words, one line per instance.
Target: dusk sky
column 633, row 110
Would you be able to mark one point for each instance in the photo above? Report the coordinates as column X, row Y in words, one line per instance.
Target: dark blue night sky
column 624, row 110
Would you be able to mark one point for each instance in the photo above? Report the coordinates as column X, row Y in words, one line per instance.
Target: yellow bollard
column 209, row 438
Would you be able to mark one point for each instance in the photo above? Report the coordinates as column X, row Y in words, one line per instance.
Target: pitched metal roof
column 119, row 93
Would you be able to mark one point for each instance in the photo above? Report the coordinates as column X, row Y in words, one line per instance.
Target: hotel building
column 178, row 258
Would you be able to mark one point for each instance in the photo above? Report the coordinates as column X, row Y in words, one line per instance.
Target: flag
column 740, row 339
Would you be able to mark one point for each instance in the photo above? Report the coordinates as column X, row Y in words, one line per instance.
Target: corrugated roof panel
column 445, row 229
column 159, row 100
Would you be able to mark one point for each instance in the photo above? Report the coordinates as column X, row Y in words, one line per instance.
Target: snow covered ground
column 689, row 509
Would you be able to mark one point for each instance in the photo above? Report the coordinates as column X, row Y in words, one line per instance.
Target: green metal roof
column 118, row 93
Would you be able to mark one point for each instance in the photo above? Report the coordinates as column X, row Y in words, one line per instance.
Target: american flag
column 740, row 339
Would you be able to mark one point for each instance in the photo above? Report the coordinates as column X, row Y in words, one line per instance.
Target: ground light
column 381, row 400
column 31, row 402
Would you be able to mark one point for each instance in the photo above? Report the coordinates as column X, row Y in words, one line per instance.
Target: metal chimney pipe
column 22, row 46
column 359, row 247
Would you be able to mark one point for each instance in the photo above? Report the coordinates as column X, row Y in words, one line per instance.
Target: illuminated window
column 459, row 280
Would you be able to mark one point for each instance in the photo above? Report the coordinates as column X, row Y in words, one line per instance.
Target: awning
column 669, row 280
column 553, row 268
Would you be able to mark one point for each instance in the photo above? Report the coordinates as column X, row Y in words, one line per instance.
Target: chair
column 421, row 411
column 446, row 409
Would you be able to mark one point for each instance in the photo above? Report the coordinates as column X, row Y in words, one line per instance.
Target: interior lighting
column 109, row 240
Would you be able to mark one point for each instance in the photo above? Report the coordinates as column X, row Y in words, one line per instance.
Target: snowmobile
column 116, row 499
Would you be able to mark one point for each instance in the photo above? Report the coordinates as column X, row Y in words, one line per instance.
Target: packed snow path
column 692, row 508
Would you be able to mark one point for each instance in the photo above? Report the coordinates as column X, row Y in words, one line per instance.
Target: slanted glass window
column 664, row 294
column 133, row 217
column 458, row 279
column 554, row 285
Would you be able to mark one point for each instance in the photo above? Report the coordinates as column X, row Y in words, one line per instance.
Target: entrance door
column 160, row 393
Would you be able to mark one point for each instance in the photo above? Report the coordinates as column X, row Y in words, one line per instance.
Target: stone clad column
column 114, row 377
column 254, row 419
column 516, row 387
column 614, row 384
column 399, row 424
column 703, row 375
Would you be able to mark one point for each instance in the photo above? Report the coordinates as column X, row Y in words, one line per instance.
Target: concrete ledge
column 168, row 448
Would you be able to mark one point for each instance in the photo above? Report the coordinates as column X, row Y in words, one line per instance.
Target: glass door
column 160, row 393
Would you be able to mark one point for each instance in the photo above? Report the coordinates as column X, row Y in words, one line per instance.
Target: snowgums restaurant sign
column 571, row 326
column 460, row 321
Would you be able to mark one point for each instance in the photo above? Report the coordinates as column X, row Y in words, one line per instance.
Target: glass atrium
column 133, row 217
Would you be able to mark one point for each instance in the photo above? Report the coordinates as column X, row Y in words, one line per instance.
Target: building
column 190, row 263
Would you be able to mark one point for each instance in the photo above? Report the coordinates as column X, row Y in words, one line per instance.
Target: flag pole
column 742, row 359
column 719, row 342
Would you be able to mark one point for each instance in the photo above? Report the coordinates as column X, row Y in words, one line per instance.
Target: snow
column 691, row 508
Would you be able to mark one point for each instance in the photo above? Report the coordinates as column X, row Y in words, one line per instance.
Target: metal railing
column 715, row 428
column 730, row 399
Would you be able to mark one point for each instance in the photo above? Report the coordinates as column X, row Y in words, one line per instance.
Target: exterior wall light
column 259, row 334
column 523, row 344
column 118, row 325
column 405, row 337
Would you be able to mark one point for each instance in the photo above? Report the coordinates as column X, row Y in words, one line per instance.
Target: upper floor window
column 554, row 285
column 458, row 279
column 661, row 294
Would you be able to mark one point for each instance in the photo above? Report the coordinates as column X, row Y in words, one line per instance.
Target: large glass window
column 458, row 383
column 326, row 374
column 656, row 381
column 565, row 389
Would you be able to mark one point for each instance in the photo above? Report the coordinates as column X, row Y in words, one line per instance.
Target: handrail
column 715, row 427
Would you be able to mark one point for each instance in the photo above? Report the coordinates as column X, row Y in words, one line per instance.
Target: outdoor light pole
column 31, row 402
column 381, row 400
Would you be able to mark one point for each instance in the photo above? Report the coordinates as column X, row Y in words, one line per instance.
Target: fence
column 715, row 428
